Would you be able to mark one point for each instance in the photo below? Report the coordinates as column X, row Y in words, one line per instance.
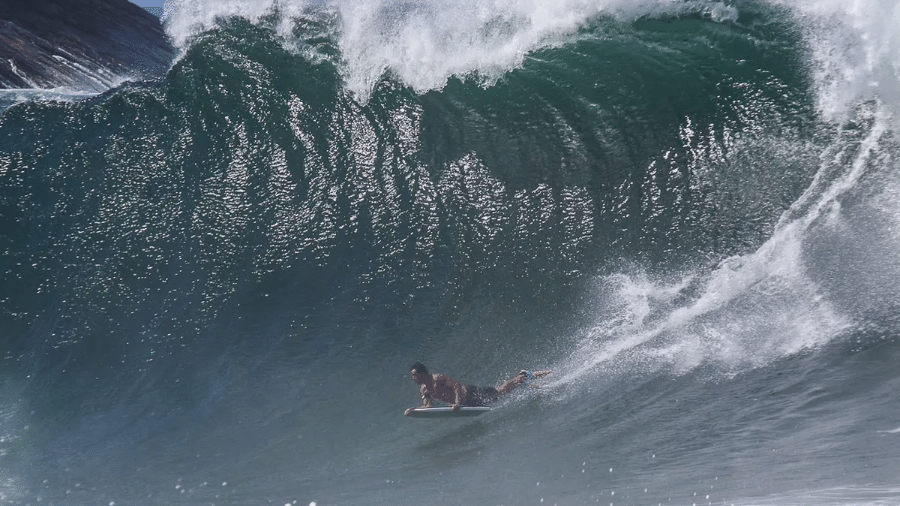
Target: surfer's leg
column 520, row 379
column 480, row 396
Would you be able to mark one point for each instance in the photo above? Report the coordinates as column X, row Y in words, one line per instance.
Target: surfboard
column 447, row 412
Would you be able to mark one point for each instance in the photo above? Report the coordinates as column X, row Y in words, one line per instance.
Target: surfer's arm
column 426, row 403
column 426, row 397
column 459, row 393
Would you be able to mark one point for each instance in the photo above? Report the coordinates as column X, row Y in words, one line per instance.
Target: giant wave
column 213, row 284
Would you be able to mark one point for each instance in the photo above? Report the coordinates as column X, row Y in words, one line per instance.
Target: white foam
column 424, row 43
column 856, row 52
column 11, row 97
column 854, row 46
column 749, row 311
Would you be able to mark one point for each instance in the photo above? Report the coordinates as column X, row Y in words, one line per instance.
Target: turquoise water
column 213, row 284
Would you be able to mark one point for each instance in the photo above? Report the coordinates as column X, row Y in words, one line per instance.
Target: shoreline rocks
column 86, row 45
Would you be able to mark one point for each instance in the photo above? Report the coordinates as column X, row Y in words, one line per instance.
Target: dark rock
column 87, row 45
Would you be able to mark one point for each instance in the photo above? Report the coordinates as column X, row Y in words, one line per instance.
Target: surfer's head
column 419, row 372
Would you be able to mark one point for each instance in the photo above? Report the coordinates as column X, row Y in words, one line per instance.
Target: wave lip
column 423, row 44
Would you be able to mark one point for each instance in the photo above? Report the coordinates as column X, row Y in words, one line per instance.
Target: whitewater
column 213, row 284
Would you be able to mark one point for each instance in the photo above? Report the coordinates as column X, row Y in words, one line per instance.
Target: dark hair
column 419, row 367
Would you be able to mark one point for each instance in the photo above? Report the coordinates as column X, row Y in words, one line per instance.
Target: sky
column 149, row 3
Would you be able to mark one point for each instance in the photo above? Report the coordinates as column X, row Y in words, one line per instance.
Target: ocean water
column 212, row 285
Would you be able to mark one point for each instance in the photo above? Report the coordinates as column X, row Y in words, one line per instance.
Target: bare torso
column 444, row 389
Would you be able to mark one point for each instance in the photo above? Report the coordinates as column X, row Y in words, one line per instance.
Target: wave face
column 213, row 284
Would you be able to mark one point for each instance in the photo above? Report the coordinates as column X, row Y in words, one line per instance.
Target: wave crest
column 422, row 43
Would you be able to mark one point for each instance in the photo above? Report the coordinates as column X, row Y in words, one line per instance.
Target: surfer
column 446, row 389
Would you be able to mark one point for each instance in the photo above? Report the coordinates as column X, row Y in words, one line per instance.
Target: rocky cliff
column 86, row 45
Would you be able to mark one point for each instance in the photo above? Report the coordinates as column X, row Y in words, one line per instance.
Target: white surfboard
column 447, row 412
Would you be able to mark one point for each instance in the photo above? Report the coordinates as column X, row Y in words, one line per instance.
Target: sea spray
column 756, row 307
